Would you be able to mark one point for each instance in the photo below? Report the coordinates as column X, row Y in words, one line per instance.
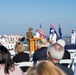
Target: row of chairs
column 71, row 63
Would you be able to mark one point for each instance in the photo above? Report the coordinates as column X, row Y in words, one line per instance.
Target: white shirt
column 16, row 71
column 73, row 36
column 37, row 34
column 53, row 38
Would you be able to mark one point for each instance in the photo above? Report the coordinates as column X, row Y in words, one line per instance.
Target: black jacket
column 68, row 71
column 21, row 57
column 40, row 54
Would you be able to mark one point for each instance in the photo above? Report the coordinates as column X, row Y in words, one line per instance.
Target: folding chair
column 21, row 64
column 24, row 65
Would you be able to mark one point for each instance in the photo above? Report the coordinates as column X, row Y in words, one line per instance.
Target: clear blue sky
column 16, row 16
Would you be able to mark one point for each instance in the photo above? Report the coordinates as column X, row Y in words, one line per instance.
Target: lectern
column 32, row 44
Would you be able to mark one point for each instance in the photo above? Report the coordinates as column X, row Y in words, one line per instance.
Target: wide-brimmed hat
column 43, row 43
column 30, row 28
column 61, row 42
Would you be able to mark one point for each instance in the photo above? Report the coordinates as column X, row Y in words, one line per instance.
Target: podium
column 32, row 44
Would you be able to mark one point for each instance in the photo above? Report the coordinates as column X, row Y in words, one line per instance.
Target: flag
column 42, row 35
column 60, row 32
column 52, row 27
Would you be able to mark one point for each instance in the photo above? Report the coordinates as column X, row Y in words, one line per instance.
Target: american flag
column 42, row 35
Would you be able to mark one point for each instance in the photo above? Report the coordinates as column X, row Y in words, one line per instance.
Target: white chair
column 72, row 52
column 68, row 61
column 27, row 64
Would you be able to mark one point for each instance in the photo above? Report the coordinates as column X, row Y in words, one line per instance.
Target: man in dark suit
column 55, row 53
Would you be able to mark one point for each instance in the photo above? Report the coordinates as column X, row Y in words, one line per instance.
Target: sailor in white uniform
column 73, row 37
column 52, row 37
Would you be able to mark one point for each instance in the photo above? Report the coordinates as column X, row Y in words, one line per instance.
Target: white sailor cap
column 52, row 30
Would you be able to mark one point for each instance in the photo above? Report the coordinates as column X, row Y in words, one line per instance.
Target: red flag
column 42, row 35
column 51, row 26
column 59, row 24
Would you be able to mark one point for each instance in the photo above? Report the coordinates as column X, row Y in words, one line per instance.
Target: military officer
column 29, row 35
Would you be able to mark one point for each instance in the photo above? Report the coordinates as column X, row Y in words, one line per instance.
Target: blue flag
column 51, row 28
column 60, row 32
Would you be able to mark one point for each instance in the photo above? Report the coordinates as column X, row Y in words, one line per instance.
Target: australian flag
column 52, row 28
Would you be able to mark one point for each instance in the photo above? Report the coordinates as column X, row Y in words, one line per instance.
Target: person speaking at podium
column 29, row 35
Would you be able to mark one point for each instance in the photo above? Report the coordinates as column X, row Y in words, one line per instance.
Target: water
column 67, row 40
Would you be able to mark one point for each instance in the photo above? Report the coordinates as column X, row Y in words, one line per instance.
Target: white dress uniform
column 53, row 38
column 73, row 37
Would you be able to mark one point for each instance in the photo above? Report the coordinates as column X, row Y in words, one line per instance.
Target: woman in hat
column 40, row 53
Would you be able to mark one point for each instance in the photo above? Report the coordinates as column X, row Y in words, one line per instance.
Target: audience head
column 56, row 50
column 44, row 68
column 19, row 47
column 43, row 43
column 5, row 58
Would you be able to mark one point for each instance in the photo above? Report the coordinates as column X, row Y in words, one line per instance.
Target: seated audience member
column 66, row 56
column 7, row 66
column 55, row 53
column 75, row 69
column 45, row 68
column 40, row 54
column 21, row 56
